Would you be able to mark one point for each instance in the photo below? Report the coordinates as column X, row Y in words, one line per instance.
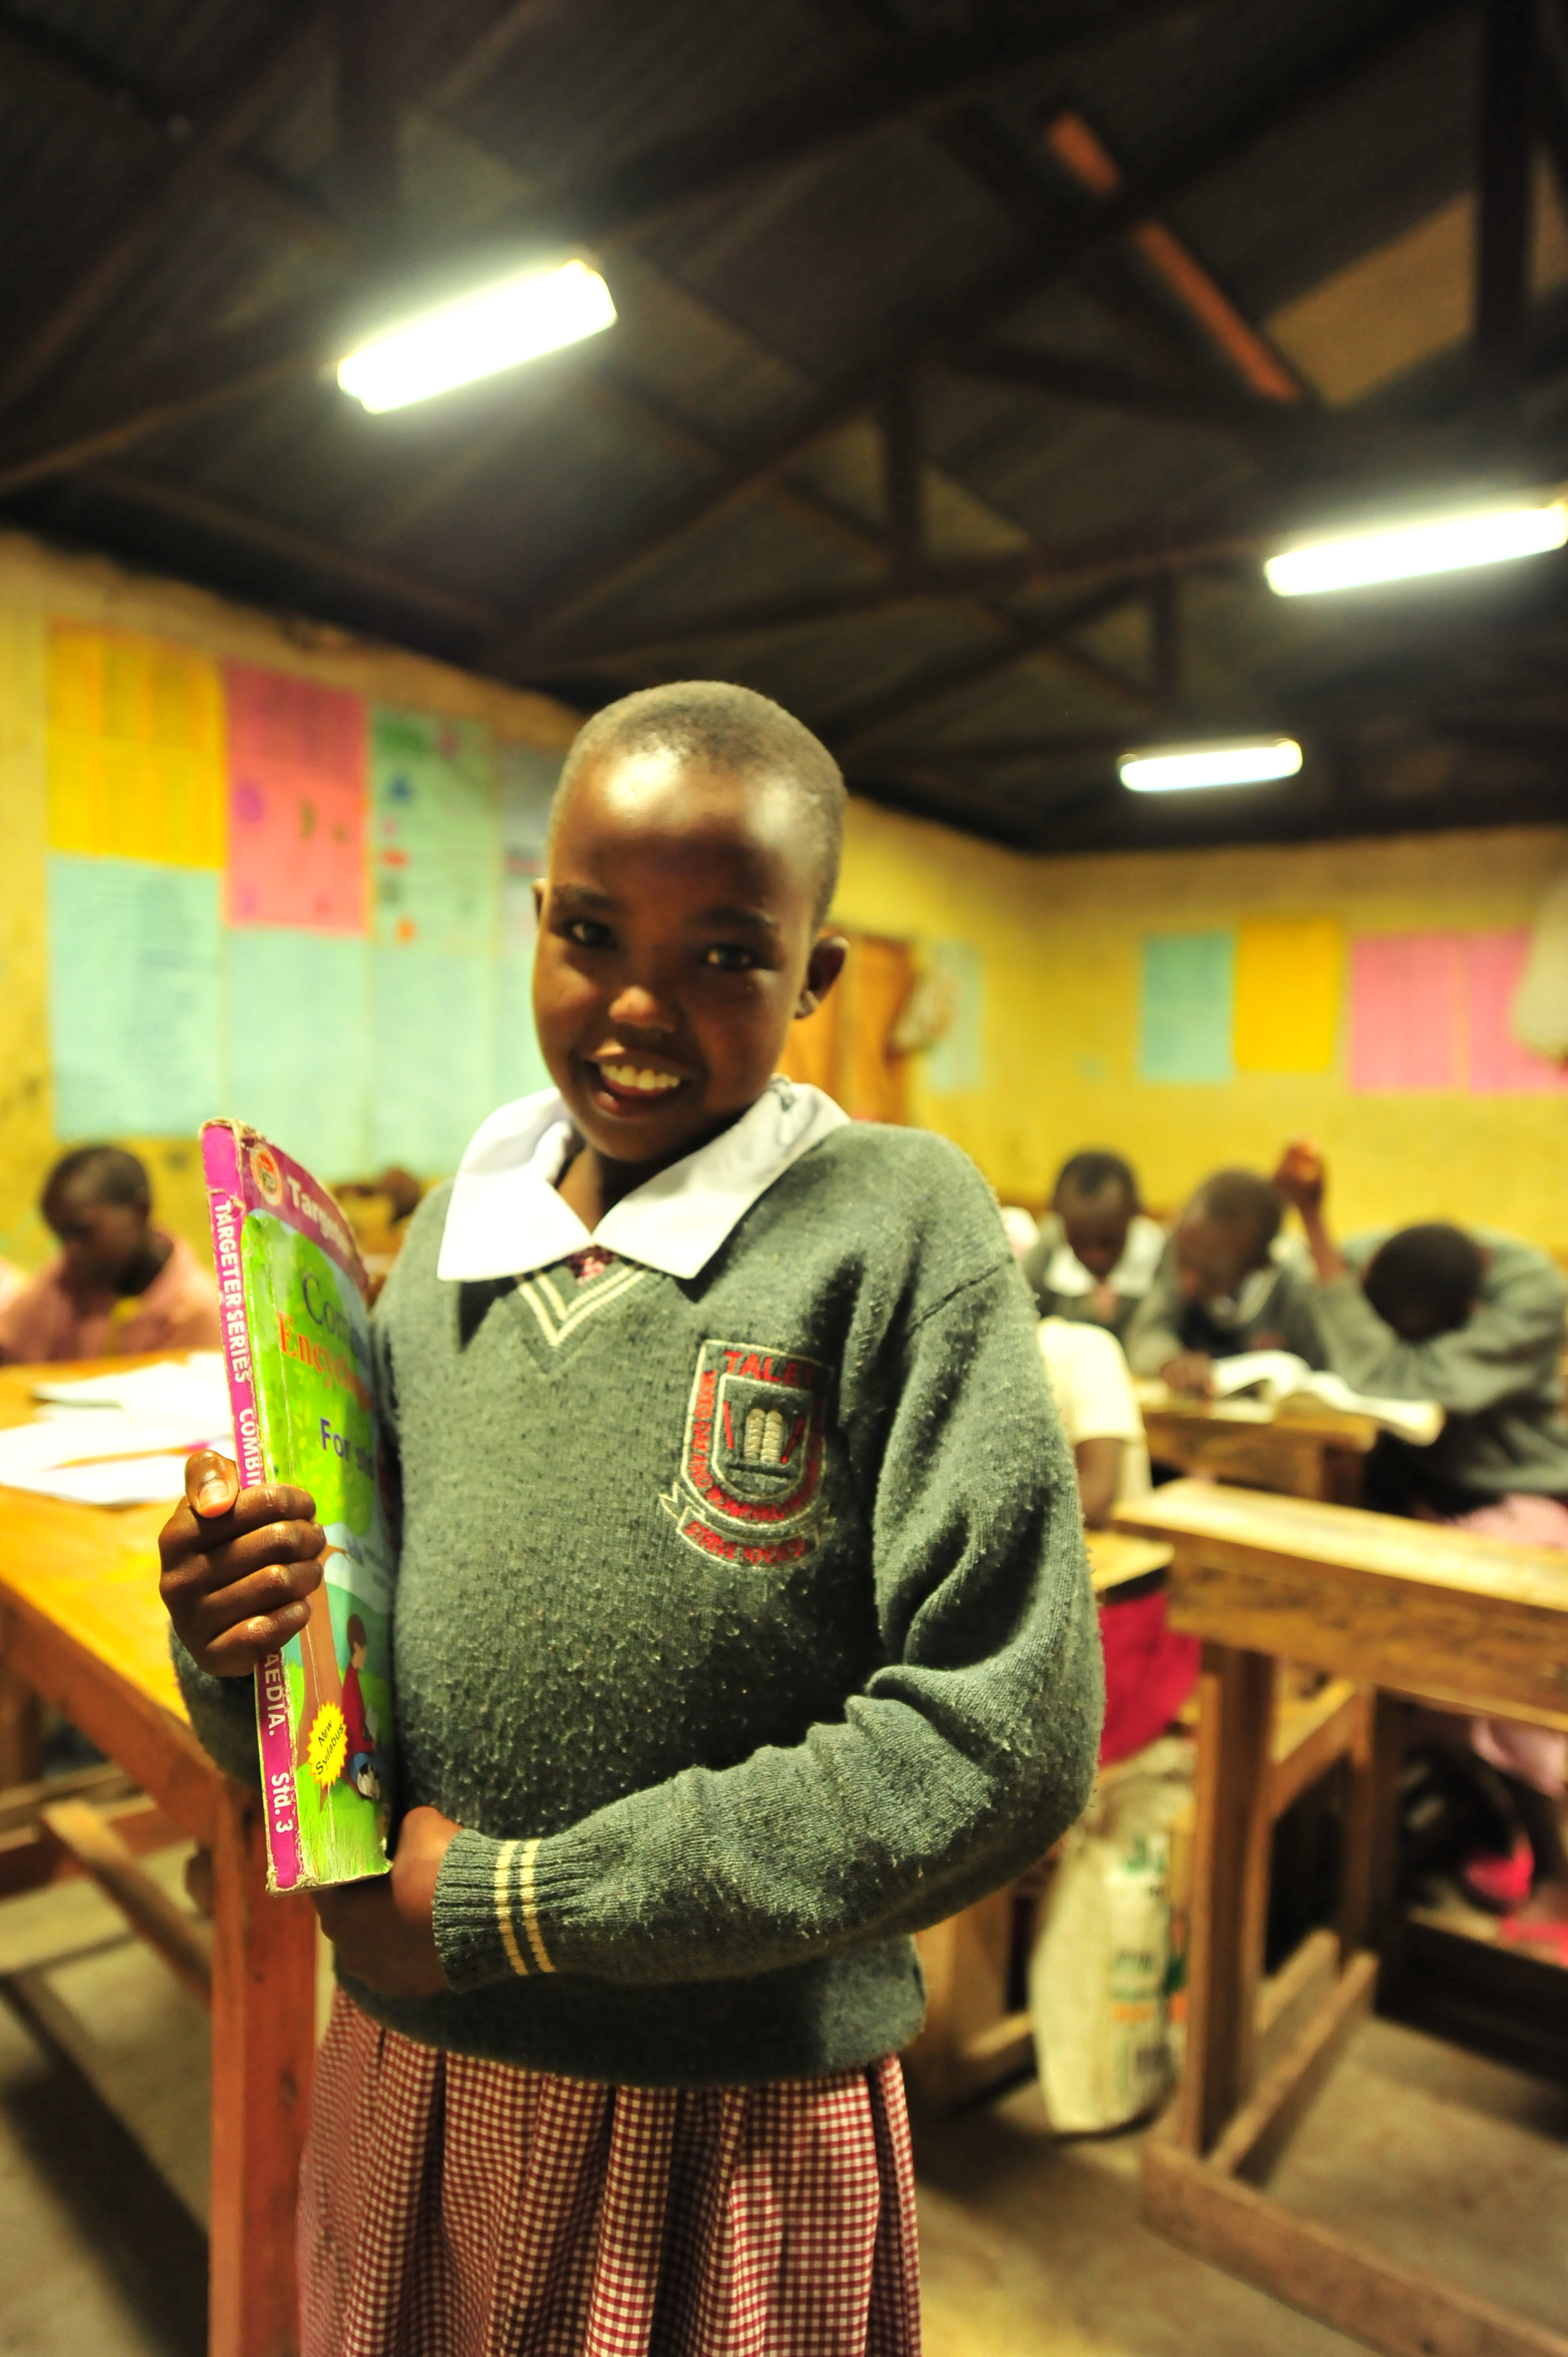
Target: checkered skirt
column 456, row 2207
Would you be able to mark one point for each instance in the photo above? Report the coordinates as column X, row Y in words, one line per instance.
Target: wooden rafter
column 1102, row 385
column 263, row 534
column 938, row 684
column 253, row 88
column 1301, row 86
column 1503, row 172
column 903, row 486
column 367, row 119
column 1079, row 150
column 119, row 111
column 1133, row 554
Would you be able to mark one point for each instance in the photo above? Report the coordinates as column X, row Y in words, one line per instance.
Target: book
column 296, row 1344
column 1277, row 1375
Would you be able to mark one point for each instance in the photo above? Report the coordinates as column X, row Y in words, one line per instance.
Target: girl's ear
column 824, row 968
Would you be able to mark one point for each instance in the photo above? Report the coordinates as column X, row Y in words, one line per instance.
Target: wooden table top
column 91, row 1569
column 1416, row 1607
column 1115, row 1557
column 1299, row 1415
column 1303, row 1536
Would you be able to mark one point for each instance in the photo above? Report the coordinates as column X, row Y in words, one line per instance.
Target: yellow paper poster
column 136, row 756
column 1289, row 976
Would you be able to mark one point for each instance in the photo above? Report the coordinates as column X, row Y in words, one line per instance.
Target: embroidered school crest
column 751, row 1460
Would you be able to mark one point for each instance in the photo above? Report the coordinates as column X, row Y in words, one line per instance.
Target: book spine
column 220, row 1154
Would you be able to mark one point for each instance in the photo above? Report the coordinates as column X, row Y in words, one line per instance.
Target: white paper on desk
column 101, row 1457
column 1280, row 1374
column 192, row 1391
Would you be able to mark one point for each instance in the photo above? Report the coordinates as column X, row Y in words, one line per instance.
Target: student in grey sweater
column 1098, row 1250
column 1473, row 1319
column 1221, row 1289
column 743, row 1621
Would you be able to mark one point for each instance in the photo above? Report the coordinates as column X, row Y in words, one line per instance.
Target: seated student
column 120, row 1284
column 1223, row 1287
column 1476, row 1323
column 1097, row 1252
column 1149, row 1670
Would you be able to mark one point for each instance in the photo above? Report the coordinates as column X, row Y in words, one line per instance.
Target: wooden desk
column 972, row 2040
column 1413, row 1610
column 1302, row 1448
column 81, row 1622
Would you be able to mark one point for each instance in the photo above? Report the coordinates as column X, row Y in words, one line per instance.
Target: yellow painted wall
column 1061, row 939
column 37, row 586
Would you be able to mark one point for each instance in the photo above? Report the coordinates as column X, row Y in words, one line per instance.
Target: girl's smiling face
column 677, row 943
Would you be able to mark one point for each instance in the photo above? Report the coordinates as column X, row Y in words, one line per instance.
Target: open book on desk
column 1276, row 1375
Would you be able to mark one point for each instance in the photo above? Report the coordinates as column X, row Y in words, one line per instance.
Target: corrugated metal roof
column 457, row 525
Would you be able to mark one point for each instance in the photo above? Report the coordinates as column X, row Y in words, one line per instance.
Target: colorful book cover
column 297, row 1341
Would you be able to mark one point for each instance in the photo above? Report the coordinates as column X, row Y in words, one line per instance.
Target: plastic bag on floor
column 1099, row 1975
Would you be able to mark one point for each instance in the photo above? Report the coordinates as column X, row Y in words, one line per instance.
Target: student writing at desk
column 120, row 1284
column 1475, row 1321
column 1223, row 1287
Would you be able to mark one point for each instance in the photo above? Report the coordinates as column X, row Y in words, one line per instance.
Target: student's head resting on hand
column 1425, row 1280
column 1096, row 1199
column 1225, row 1234
column 99, row 1204
column 693, row 853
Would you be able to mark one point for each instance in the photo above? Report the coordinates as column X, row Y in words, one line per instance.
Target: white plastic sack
column 1099, row 1970
column 1540, row 1015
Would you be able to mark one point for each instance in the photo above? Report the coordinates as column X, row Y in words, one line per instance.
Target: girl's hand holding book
column 382, row 1930
column 237, row 1565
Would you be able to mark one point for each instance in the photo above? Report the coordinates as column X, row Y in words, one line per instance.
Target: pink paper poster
column 1407, row 1010
column 297, row 788
column 1499, row 1065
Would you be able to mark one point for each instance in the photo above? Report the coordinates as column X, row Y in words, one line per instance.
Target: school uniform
column 743, row 1624
column 1274, row 1309
column 1498, row 1377
column 1149, row 1670
column 1063, row 1287
column 53, row 1316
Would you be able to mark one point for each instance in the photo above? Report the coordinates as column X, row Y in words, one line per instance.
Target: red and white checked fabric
column 456, row 2208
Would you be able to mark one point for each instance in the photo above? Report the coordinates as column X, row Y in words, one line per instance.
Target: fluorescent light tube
column 1240, row 761
column 1447, row 545
column 518, row 320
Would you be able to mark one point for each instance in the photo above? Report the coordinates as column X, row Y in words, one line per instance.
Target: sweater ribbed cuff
column 502, row 1907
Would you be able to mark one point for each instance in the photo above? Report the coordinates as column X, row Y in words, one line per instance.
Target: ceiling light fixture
column 1232, row 761
column 503, row 326
column 1408, row 552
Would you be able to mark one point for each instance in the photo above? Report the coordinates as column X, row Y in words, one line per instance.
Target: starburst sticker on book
column 327, row 1747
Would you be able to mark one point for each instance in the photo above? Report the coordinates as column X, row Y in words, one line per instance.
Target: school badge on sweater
column 749, row 1488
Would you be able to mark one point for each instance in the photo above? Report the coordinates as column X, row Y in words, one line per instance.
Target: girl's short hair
column 727, row 728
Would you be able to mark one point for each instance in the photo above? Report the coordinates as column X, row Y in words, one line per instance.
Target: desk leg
column 1230, row 1876
column 21, row 1731
column 1372, row 1822
column 264, row 2048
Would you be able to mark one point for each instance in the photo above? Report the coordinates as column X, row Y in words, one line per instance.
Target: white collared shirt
column 506, row 1219
column 1132, row 1275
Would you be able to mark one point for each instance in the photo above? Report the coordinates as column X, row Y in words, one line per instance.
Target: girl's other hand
column 383, row 1930
column 237, row 1565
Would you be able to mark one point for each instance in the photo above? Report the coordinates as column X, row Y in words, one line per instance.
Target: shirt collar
column 506, row 1219
column 1134, row 1273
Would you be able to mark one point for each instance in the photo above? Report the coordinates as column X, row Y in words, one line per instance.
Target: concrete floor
column 1030, row 2247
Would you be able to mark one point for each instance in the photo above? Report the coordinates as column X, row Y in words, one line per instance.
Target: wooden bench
column 1406, row 1610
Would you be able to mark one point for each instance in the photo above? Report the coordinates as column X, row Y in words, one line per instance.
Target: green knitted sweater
column 743, row 1622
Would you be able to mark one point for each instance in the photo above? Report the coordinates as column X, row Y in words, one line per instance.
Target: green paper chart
column 362, row 875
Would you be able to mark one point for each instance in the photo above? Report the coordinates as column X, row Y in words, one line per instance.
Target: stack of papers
column 121, row 1439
